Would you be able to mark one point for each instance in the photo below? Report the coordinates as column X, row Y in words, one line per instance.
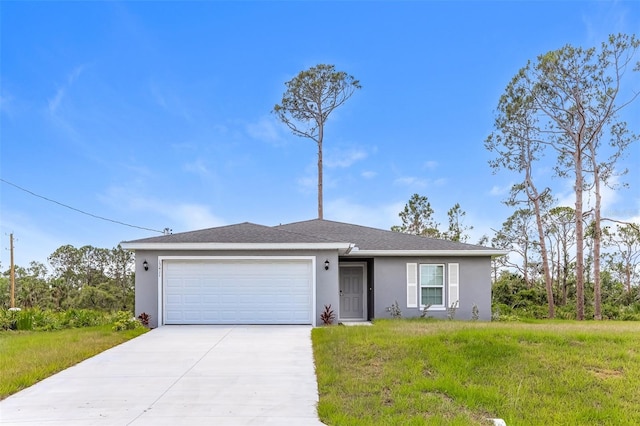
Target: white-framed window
column 432, row 285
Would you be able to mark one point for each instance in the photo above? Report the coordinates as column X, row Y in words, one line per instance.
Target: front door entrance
column 352, row 292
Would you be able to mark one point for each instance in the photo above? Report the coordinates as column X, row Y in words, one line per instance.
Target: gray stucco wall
column 146, row 287
column 390, row 281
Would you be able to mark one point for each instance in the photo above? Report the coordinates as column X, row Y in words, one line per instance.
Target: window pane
column 431, row 296
column 432, row 275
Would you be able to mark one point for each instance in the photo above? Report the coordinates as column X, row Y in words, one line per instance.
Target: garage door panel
column 270, row 291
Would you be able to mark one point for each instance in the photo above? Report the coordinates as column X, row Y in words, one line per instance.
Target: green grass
column 26, row 357
column 414, row 372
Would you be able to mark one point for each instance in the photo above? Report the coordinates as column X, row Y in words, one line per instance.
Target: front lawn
column 417, row 372
column 26, row 357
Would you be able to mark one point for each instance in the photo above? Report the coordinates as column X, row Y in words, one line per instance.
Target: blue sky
column 158, row 114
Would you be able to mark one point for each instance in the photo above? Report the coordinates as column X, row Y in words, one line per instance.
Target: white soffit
column 236, row 246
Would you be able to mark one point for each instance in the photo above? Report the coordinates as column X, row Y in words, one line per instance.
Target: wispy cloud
column 195, row 216
column 6, row 102
column 369, row 174
column 430, row 165
column 381, row 216
column 417, row 182
column 176, row 215
column 344, row 158
column 198, row 167
column 411, row 181
column 33, row 243
column 55, row 102
column 171, row 102
column 265, row 129
column 307, row 184
column 498, row 191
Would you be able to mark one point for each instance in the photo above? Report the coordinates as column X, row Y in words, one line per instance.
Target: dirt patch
column 604, row 373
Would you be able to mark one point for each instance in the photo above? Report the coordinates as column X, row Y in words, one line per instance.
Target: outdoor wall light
column 326, row 265
column 145, row 264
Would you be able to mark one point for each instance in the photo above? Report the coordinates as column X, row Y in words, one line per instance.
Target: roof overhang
column 343, row 248
column 414, row 253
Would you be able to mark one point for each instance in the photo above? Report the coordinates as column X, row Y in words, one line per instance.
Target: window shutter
column 412, row 285
column 454, row 285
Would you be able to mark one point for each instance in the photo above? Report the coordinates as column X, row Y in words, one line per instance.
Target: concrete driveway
column 182, row 375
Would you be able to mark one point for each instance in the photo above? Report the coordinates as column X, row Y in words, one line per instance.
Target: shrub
column 451, row 311
column 394, row 310
column 425, row 312
column 125, row 321
column 74, row 318
column 47, row 320
column 8, row 319
column 24, row 321
column 475, row 313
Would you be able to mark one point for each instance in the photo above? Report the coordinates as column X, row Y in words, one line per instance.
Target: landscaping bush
column 125, row 321
column 8, row 319
column 48, row 320
column 75, row 318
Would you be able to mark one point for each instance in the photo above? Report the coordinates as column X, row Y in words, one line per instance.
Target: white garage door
column 263, row 291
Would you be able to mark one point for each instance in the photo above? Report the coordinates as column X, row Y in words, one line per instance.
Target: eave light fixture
column 326, row 265
column 145, row 265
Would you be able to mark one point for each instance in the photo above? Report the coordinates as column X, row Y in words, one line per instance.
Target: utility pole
column 13, row 275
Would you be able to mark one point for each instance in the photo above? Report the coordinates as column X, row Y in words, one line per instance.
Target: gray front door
column 351, row 292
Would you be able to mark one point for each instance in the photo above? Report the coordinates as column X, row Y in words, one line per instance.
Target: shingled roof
column 311, row 233
column 239, row 233
column 366, row 238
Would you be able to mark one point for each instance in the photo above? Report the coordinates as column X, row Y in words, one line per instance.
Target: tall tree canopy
column 310, row 98
column 567, row 101
column 417, row 218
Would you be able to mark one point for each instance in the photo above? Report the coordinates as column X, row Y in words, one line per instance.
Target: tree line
column 86, row 278
column 565, row 106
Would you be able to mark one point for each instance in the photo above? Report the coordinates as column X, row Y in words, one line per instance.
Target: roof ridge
column 424, row 237
column 301, row 234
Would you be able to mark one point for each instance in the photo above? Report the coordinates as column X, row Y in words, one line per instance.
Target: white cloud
column 440, row 182
column 54, row 103
column 31, row 243
column 612, row 204
column 307, row 184
column 368, row 174
column 411, row 181
column 181, row 216
column 6, row 104
column 170, row 102
column 344, row 158
column 497, row 190
column 265, row 129
column 430, row 165
column 194, row 216
column 198, row 167
column 417, row 182
column 381, row 216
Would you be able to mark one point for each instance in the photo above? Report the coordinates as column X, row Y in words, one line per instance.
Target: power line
column 78, row 210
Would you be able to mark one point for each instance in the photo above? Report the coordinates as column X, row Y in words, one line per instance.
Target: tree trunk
column 596, row 247
column 534, row 196
column 545, row 263
column 320, row 204
column 579, row 182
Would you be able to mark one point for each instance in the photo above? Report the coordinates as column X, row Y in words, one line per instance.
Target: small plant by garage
column 327, row 316
column 144, row 319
